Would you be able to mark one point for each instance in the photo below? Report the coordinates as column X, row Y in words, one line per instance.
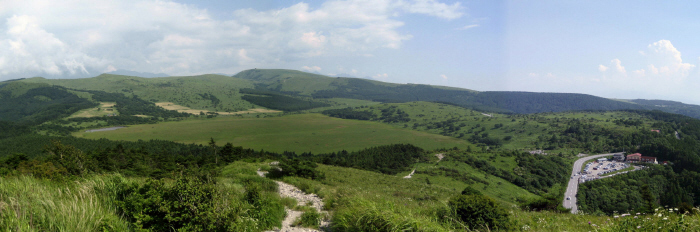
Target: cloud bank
column 47, row 38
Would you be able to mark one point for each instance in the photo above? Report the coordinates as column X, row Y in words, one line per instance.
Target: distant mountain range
column 318, row 86
column 288, row 85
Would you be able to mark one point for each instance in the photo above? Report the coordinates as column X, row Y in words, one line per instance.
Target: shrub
column 470, row 191
column 295, row 167
column 478, row 211
column 189, row 204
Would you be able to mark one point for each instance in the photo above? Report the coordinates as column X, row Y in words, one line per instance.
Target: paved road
column 572, row 188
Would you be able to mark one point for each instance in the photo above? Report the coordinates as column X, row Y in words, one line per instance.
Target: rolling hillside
column 223, row 94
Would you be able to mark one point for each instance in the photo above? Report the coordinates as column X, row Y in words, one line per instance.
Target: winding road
column 572, row 188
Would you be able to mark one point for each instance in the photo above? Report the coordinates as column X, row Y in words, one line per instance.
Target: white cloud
column 664, row 61
column 617, row 64
column 602, row 68
column 467, row 27
column 443, row 77
column 432, row 8
column 311, row 69
column 668, row 59
column 46, row 37
column 25, row 46
column 533, row 75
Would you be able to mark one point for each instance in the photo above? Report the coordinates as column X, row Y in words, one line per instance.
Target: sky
column 613, row 49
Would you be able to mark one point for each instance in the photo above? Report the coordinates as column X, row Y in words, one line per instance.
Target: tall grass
column 30, row 204
column 364, row 215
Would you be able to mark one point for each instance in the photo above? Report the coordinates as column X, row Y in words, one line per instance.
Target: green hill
column 192, row 91
column 222, row 93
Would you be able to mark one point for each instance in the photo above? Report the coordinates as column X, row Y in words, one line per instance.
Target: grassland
column 105, row 108
column 186, row 91
column 299, row 133
column 526, row 131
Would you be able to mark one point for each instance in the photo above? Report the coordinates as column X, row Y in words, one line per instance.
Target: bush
column 470, row 191
column 478, row 211
column 295, row 167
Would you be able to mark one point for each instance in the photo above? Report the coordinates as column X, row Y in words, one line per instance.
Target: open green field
column 299, row 133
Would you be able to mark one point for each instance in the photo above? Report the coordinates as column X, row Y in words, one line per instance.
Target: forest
column 278, row 101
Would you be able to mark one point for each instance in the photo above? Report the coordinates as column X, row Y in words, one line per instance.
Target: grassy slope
column 181, row 90
column 524, row 130
column 379, row 198
column 300, row 133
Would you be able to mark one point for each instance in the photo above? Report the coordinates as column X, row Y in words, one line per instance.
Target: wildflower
column 665, row 218
column 639, row 227
column 616, row 216
column 638, row 213
column 635, row 216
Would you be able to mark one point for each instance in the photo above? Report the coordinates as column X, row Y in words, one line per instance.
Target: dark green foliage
column 188, row 205
column 296, row 167
column 41, row 104
column 479, row 212
column 470, row 191
column 535, row 173
column 73, row 160
column 349, row 113
column 12, row 129
column 130, row 106
column 639, row 191
column 389, row 159
column 279, row 101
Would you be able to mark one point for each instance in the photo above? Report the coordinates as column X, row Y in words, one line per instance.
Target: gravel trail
column 303, row 199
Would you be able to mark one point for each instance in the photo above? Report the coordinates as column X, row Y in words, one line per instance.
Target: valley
column 349, row 141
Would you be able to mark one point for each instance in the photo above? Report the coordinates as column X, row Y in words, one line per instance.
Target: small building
column 657, row 131
column 648, row 159
column 619, row 157
column 634, row 158
column 602, row 160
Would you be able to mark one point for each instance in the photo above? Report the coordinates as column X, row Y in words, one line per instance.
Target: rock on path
column 303, row 199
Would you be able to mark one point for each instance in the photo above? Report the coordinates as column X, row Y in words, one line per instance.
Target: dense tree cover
column 12, row 129
column 278, row 101
column 535, row 173
column 501, row 102
column 130, row 106
column 41, row 104
column 389, row 159
column 640, row 191
column 349, row 113
column 674, row 185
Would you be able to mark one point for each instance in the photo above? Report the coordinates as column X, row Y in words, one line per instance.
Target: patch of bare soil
column 184, row 109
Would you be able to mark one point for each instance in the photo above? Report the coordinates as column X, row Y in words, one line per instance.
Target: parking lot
column 594, row 170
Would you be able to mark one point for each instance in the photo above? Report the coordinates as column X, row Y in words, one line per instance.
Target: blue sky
column 614, row 49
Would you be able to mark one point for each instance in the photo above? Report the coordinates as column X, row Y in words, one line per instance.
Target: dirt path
column 303, row 199
column 410, row 175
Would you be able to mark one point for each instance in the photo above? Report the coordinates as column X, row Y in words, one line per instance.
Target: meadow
column 314, row 133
